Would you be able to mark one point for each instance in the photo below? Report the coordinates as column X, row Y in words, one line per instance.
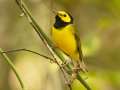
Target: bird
column 66, row 38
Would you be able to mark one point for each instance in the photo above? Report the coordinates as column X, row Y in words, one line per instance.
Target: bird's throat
column 59, row 23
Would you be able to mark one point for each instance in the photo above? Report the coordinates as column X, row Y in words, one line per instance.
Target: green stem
column 83, row 82
column 12, row 66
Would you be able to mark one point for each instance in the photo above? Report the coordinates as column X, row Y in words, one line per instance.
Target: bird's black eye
column 64, row 15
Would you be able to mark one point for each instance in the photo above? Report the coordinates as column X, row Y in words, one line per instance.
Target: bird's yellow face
column 62, row 19
column 64, row 16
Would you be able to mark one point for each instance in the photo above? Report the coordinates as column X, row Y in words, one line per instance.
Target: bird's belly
column 65, row 41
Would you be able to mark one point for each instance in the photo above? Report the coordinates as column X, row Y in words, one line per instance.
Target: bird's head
column 63, row 18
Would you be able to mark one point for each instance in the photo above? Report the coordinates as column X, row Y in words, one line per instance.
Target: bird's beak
column 54, row 12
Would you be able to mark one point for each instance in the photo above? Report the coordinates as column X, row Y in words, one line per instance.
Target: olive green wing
column 79, row 50
column 78, row 45
column 77, row 37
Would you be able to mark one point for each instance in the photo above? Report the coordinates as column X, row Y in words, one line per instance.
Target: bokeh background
column 99, row 24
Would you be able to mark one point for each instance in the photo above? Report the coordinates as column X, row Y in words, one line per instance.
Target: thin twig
column 12, row 66
column 16, row 50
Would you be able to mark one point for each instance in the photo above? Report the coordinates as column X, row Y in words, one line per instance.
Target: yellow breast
column 65, row 39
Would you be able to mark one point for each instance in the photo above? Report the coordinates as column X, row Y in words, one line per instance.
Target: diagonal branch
column 12, row 66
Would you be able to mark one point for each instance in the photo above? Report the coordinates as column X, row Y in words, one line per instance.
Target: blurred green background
column 99, row 25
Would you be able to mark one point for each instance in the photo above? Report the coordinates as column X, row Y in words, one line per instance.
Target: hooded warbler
column 66, row 38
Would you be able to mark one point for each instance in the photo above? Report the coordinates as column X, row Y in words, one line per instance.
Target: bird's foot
column 79, row 69
column 76, row 69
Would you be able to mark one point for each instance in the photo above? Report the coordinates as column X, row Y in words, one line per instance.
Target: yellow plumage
column 66, row 39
